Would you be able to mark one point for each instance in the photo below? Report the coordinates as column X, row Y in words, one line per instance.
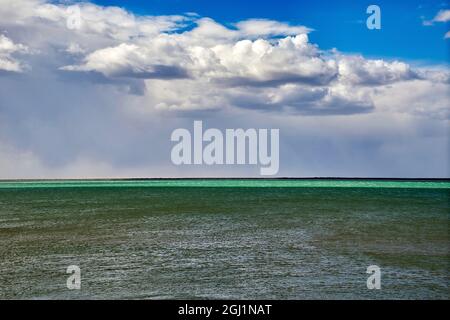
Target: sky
column 95, row 89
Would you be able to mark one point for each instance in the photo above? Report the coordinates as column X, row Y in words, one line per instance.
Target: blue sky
column 339, row 24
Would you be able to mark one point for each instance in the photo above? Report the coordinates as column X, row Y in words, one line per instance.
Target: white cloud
column 420, row 97
column 7, row 49
column 259, row 62
column 264, row 27
column 442, row 16
column 111, row 22
column 357, row 70
column 157, row 60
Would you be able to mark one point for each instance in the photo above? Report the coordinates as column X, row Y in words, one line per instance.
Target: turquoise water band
column 230, row 183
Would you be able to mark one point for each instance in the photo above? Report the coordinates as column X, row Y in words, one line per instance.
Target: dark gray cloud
column 277, row 79
column 153, row 72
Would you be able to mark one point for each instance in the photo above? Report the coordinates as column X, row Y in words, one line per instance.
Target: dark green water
column 287, row 239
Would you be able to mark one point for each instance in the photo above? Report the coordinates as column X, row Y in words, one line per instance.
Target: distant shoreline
column 233, row 178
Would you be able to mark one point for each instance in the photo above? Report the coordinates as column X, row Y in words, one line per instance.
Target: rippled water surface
column 286, row 239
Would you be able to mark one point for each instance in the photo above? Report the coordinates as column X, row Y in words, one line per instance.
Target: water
column 268, row 239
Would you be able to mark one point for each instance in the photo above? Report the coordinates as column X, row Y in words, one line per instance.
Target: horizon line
column 228, row 178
